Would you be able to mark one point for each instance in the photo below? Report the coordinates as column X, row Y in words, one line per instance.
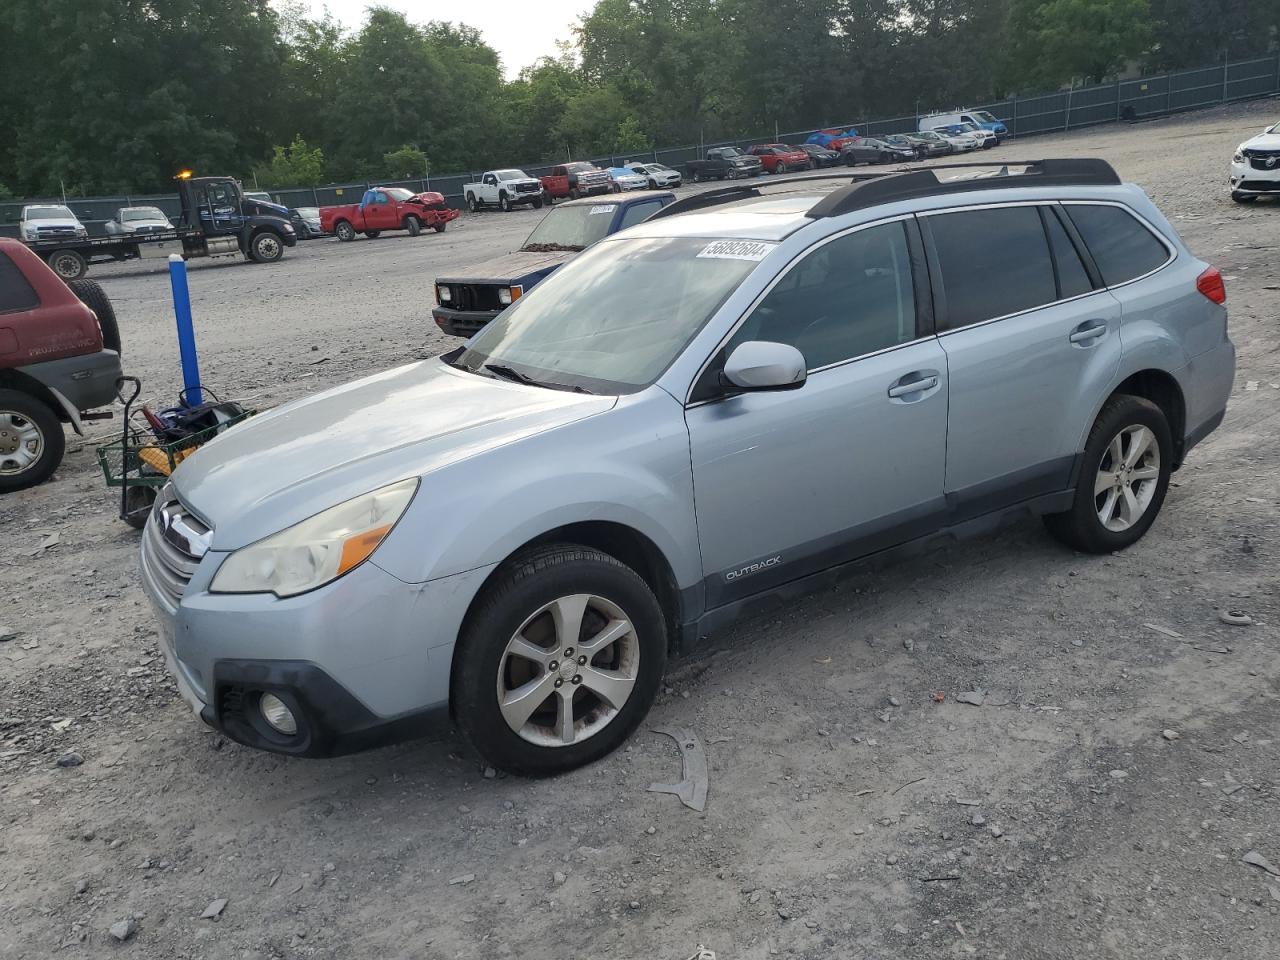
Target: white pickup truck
column 504, row 189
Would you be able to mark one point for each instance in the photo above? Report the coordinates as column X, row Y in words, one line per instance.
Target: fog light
column 279, row 717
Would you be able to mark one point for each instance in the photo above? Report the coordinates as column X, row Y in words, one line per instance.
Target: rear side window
column 1121, row 246
column 15, row 292
column 637, row 212
column 849, row 297
column 994, row 262
column 1073, row 280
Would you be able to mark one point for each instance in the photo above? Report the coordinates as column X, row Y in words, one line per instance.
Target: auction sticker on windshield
column 603, row 208
column 736, row 250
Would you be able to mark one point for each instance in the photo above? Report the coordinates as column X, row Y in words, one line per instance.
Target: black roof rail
column 910, row 184
column 743, row 191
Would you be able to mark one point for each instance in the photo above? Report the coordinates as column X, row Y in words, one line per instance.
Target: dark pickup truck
column 724, row 163
column 470, row 298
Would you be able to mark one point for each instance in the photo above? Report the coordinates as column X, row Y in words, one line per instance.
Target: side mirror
column 762, row 365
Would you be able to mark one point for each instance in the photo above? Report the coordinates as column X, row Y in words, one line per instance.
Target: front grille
column 55, row 231
column 528, row 187
column 172, row 545
column 472, row 296
column 1260, row 186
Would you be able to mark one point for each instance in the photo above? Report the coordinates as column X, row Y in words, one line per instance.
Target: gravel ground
column 1096, row 803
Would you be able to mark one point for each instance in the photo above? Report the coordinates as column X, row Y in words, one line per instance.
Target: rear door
column 1032, row 343
column 792, row 482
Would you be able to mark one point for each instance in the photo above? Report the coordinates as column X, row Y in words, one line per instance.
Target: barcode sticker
column 736, row 250
column 603, row 208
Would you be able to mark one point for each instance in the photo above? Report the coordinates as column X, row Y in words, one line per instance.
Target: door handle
column 1083, row 334
column 901, row 389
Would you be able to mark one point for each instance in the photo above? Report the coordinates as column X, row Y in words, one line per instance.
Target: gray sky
column 521, row 32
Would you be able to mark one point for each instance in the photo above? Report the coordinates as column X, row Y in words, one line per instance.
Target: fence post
column 1066, row 121
column 315, row 197
column 1168, row 93
column 1224, row 77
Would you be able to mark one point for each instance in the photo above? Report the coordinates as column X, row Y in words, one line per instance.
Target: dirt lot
column 1096, row 804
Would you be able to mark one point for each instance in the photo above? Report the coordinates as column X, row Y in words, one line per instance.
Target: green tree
column 406, row 163
column 1055, row 41
column 296, row 165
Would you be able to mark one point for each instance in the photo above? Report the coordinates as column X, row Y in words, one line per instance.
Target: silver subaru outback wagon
column 726, row 403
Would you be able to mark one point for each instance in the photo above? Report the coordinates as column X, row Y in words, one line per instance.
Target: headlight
column 317, row 550
column 504, row 296
column 1238, row 158
column 443, row 294
column 288, row 228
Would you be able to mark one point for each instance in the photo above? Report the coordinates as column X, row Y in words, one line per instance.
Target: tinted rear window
column 994, row 262
column 1072, row 278
column 15, row 292
column 1121, row 246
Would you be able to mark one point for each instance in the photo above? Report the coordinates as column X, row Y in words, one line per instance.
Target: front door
column 1028, row 341
column 379, row 211
column 220, row 210
column 788, row 483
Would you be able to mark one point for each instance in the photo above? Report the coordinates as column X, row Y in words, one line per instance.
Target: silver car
column 135, row 220
column 699, row 414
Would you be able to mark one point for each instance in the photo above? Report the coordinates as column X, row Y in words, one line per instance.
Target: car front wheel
column 1124, row 476
column 559, row 661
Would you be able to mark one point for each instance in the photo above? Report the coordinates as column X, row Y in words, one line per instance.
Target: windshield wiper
column 511, row 373
column 551, row 248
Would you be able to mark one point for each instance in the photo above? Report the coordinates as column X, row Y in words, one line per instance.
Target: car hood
column 138, row 224
column 292, row 462
column 509, row 268
column 52, row 222
column 1263, row 141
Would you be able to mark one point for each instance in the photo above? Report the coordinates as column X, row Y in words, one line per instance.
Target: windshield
column 984, row 117
column 967, row 127
column 398, row 193
column 572, row 227
column 142, row 213
column 731, row 152
column 511, row 175
column 928, row 135
column 613, row 319
column 579, row 167
column 49, row 213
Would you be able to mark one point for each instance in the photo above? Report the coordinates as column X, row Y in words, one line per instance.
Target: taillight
column 1210, row 284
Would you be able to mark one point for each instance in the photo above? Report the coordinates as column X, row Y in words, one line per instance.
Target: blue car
column 470, row 298
column 834, row 138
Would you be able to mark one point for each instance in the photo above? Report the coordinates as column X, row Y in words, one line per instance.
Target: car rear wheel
column 1124, row 476
column 31, row 441
column 413, row 225
column 95, row 298
column 345, row 231
column 559, row 660
column 68, row 264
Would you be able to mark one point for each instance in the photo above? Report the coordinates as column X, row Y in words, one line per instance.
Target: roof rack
column 743, row 191
column 910, row 184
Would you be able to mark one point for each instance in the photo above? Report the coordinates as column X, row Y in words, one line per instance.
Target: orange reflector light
column 357, row 549
column 516, row 293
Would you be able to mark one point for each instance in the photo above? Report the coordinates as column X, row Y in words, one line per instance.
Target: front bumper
column 461, row 323
column 361, row 662
column 1245, row 178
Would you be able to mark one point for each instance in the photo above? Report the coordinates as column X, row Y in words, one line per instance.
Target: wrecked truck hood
column 292, row 462
column 509, row 268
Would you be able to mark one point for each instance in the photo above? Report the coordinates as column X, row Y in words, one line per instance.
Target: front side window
column 994, row 262
column 637, row 212
column 613, row 319
column 849, row 297
column 1121, row 246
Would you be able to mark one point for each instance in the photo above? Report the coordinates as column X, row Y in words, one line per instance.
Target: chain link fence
column 1130, row 100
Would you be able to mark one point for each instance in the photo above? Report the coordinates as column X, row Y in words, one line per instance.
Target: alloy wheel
column 568, row 670
column 21, row 443
column 1127, row 478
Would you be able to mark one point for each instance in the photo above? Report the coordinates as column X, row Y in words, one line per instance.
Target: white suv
column 1255, row 168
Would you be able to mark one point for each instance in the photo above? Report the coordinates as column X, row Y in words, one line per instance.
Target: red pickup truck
column 59, row 357
column 387, row 208
column 574, row 180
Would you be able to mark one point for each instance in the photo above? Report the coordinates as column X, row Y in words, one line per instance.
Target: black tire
column 345, row 231
column 472, row 205
column 138, row 501
column 68, row 264
column 1080, row 527
column 697, row 176
column 95, row 298
column 266, row 247
column 1239, row 197
column 525, row 585
column 28, row 411
column 373, row 234
column 537, row 204
column 653, row 184
column 573, row 193
column 504, row 202
column 439, row 227
column 413, row 225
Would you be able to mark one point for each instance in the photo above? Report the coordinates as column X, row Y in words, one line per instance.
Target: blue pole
column 186, row 330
